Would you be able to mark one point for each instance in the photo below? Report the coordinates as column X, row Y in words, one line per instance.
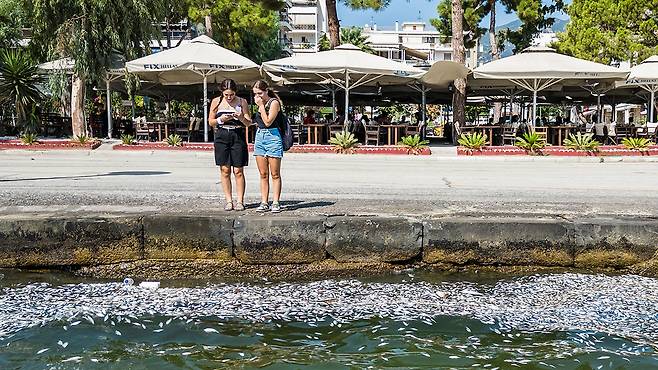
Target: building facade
column 301, row 25
column 414, row 43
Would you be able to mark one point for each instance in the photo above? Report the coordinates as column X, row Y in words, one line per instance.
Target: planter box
column 491, row 151
column 48, row 145
column 199, row 147
column 295, row 149
column 557, row 151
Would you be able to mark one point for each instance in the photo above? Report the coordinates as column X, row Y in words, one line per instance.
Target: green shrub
column 127, row 139
column 636, row 143
column 582, row 142
column 531, row 142
column 81, row 139
column 29, row 138
column 473, row 141
column 414, row 144
column 174, row 140
column 344, row 142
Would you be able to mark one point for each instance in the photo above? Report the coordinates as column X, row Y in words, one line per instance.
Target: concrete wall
column 625, row 244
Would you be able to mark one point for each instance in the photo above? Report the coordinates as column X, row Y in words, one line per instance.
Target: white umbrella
column 645, row 75
column 538, row 68
column 440, row 75
column 346, row 66
column 202, row 60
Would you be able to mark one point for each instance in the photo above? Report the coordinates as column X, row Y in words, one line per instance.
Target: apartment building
column 414, row 42
column 302, row 23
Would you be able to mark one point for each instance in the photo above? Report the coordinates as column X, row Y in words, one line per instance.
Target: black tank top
column 259, row 119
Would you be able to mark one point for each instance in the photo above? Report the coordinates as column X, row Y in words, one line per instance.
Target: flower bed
column 47, row 144
column 558, row 151
column 295, row 149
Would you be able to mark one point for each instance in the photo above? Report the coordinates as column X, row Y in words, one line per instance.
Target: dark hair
column 262, row 85
column 228, row 84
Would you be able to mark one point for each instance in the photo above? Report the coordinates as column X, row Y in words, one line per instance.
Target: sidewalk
column 328, row 184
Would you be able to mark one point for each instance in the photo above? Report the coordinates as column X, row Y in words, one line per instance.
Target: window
column 447, row 56
column 429, row 40
column 414, row 28
column 303, row 38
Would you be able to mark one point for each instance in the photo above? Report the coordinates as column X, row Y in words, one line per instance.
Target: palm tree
column 355, row 36
column 19, row 82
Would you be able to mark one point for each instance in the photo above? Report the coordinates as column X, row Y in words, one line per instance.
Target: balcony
column 304, row 27
column 284, row 21
column 297, row 46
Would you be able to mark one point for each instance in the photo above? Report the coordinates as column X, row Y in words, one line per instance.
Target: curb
column 35, row 241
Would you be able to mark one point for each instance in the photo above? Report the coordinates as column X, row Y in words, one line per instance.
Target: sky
column 410, row 10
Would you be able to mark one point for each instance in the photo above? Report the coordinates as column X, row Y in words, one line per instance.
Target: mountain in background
column 560, row 25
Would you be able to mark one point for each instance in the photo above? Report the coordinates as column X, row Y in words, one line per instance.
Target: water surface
column 410, row 321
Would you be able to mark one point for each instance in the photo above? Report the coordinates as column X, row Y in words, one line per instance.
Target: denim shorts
column 268, row 143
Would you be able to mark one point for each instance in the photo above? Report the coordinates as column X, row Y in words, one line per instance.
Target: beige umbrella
column 439, row 76
column 346, row 66
column 645, row 75
column 202, row 60
column 538, row 68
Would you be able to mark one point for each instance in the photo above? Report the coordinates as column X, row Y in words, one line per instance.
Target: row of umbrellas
column 536, row 69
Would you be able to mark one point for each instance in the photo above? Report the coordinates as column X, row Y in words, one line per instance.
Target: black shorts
column 231, row 147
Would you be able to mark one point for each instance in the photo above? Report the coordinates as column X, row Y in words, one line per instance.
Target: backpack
column 283, row 124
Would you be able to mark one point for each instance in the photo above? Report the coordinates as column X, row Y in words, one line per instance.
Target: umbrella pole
column 598, row 109
column 205, row 108
column 653, row 105
column 333, row 103
column 347, row 98
column 424, row 102
column 534, row 108
column 109, row 108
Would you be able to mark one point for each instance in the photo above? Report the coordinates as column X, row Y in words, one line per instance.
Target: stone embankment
column 176, row 246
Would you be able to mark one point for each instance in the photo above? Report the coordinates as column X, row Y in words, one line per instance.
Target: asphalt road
column 109, row 181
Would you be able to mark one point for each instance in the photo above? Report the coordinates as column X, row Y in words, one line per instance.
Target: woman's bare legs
column 239, row 182
column 264, row 178
column 275, row 172
column 225, row 176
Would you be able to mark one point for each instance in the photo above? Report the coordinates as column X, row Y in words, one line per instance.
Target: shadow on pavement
column 118, row 173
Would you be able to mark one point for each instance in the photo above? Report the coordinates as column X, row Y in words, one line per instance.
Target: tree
column 247, row 27
column 473, row 12
column 535, row 17
column 332, row 15
column 351, row 35
column 19, row 82
column 89, row 31
column 12, row 18
column 495, row 53
column 611, row 30
column 459, row 56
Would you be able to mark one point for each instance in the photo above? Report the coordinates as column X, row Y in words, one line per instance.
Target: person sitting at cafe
column 365, row 119
column 383, row 119
column 558, row 120
column 403, row 120
column 418, row 116
column 310, row 117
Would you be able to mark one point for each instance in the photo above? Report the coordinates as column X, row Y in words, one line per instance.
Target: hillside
column 559, row 26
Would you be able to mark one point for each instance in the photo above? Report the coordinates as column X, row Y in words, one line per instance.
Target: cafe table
column 392, row 132
column 559, row 132
column 314, row 132
column 159, row 127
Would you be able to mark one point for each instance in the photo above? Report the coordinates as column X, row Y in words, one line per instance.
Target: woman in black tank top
column 229, row 115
